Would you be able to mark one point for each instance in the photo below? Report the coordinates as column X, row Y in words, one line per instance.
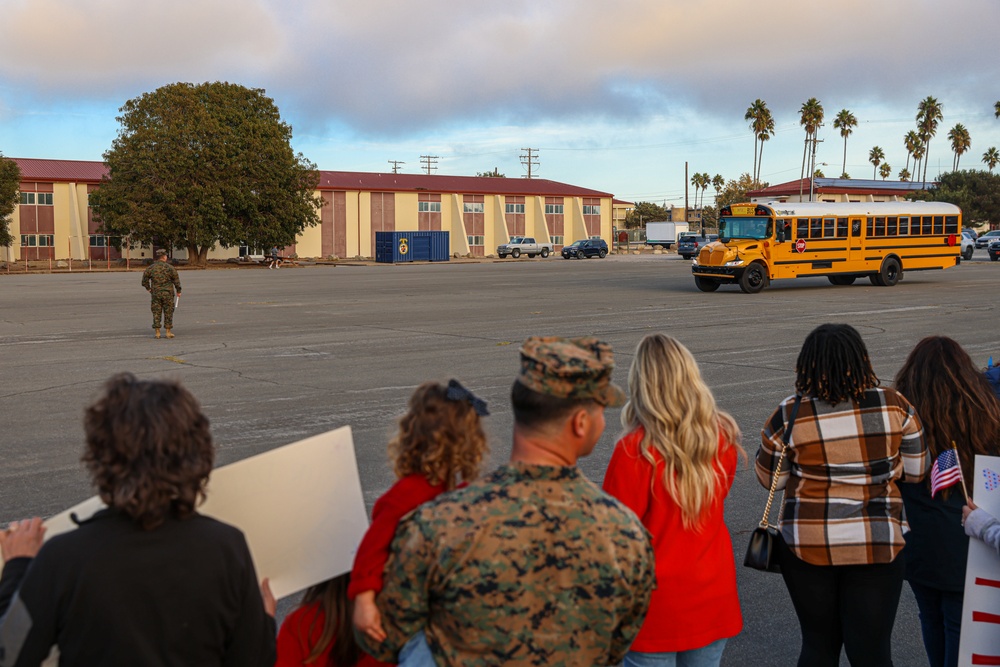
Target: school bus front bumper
column 720, row 272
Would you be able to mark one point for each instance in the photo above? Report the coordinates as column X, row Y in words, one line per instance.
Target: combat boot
column 157, row 333
column 169, row 334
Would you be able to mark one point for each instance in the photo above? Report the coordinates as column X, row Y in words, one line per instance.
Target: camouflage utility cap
column 574, row 368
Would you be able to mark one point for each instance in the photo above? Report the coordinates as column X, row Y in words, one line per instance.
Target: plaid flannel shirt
column 842, row 506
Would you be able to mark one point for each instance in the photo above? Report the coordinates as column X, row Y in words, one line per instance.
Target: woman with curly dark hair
column 440, row 442
column 958, row 411
column 842, row 529
column 147, row 581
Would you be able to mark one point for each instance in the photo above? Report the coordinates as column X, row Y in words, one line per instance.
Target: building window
column 470, row 207
column 557, row 240
column 553, row 209
column 477, row 240
column 28, row 241
column 98, row 241
column 46, row 240
column 43, row 198
column 429, row 207
column 514, row 208
column 591, row 210
column 27, row 199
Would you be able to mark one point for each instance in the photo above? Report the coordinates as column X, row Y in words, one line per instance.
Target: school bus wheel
column 706, row 284
column 753, row 279
column 889, row 274
column 842, row 280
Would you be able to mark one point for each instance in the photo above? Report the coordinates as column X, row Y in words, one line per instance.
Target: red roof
column 74, row 171
column 375, row 182
column 838, row 186
column 33, row 169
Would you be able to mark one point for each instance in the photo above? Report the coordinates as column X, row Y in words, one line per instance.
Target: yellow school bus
column 759, row 243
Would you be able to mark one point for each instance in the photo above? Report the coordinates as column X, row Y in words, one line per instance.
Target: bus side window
column 856, row 227
column 927, row 222
column 842, row 228
column 880, row 226
column 939, row 224
column 802, row 228
column 829, row 228
column 816, row 228
column 890, row 226
column 870, row 227
column 951, row 224
column 780, row 230
column 904, row 226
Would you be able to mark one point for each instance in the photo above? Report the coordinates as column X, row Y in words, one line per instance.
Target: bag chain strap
column 777, row 469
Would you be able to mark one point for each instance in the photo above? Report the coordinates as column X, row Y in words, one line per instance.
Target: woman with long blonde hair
column 673, row 468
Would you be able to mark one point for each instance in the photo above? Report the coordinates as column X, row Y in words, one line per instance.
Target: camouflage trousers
column 162, row 303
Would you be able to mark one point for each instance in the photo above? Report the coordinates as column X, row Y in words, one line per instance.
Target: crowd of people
column 532, row 563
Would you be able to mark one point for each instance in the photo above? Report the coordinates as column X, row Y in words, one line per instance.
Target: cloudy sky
column 615, row 95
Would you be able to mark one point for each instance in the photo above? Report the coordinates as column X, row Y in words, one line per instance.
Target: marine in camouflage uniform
column 160, row 279
column 532, row 564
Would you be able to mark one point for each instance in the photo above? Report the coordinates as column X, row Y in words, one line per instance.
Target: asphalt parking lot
column 276, row 356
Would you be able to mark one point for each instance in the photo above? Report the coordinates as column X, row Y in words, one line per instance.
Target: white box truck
column 664, row 234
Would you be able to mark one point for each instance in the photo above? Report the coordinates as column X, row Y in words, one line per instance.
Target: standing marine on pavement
column 532, row 564
column 160, row 279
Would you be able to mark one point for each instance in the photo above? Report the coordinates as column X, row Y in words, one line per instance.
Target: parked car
column 994, row 250
column 984, row 240
column 972, row 231
column 689, row 245
column 968, row 245
column 524, row 245
column 586, row 248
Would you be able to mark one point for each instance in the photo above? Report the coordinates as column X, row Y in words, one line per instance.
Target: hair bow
column 456, row 392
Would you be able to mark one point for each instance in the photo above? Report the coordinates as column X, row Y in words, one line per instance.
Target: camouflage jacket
column 531, row 565
column 160, row 277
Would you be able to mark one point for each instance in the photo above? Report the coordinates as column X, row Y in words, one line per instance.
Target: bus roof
column 820, row 209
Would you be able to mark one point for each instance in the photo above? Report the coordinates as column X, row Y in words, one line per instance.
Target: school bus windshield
column 744, row 228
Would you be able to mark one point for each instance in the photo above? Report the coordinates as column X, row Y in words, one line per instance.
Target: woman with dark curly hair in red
column 147, row 581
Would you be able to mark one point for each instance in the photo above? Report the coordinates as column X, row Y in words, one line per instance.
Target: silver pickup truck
column 524, row 245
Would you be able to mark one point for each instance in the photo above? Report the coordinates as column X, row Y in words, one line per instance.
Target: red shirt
column 402, row 498
column 300, row 632
column 695, row 602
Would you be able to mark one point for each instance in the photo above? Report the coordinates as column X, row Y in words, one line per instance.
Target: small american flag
column 945, row 472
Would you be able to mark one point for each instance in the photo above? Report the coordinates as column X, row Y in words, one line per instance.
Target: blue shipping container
column 393, row 247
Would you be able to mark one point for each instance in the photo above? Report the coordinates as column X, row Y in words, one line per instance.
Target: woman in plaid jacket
column 843, row 519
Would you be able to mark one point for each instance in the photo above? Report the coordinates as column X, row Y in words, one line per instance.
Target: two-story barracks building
column 54, row 219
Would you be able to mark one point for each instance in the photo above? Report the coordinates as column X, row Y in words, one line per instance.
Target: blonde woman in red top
column 673, row 468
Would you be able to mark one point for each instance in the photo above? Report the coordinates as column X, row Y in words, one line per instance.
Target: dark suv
column 586, row 248
column 690, row 245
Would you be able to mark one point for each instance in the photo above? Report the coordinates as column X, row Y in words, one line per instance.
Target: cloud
column 387, row 69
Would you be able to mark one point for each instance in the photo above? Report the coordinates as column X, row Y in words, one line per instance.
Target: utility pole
column 395, row 165
column 430, row 162
column 812, row 165
column 529, row 158
column 685, row 193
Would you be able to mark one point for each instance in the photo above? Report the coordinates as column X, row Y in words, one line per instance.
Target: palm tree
column 991, row 157
column 811, row 118
column 756, row 112
column 885, row 170
column 929, row 114
column 996, row 109
column 845, row 122
column 765, row 133
column 904, row 174
column 718, row 182
column 911, row 141
column 960, row 143
column 875, row 156
column 918, row 156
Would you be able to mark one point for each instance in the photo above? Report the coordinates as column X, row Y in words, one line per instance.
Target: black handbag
column 762, row 550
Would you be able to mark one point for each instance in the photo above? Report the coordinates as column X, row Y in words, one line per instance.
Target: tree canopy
column 976, row 192
column 199, row 165
column 735, row 191
column 644, row 212
column 491, row 174
column 10, row 186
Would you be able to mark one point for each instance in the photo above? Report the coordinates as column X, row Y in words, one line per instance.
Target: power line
column 529, row 158
column 429, row 162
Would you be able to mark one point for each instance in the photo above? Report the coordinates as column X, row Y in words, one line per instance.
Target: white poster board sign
column 980, row 643
column 300, row 507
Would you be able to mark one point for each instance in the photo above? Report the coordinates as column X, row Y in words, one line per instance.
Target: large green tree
column 976, row 192
column 735, row 191
column 200, row 165
column 644, row 212
column 10, row 186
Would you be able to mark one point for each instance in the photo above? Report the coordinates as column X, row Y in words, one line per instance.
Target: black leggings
column 849, row 606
